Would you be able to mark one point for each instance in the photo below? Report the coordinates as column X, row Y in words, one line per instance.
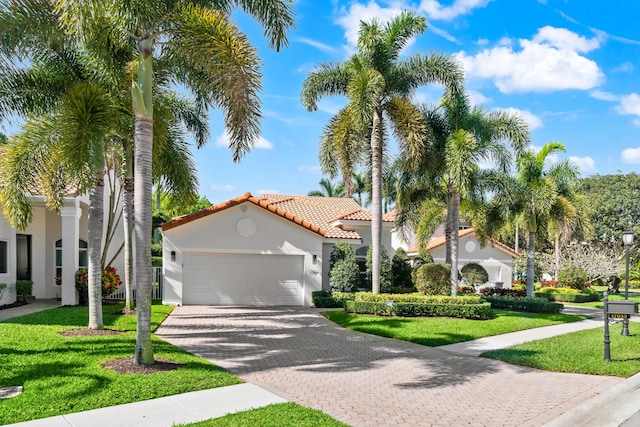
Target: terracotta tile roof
column 246, row 197
column 322, row 211
column 314, row 213
column 439, row 241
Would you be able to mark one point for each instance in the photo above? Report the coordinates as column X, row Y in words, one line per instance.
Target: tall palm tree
column 463, row 137
column 540, row 191
column 328, row 189
column 208, row 56
column 378, row 86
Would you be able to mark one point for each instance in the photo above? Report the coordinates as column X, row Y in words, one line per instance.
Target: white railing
column 158, row 287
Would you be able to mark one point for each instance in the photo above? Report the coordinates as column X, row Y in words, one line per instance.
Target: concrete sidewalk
column 167, row 411
column 33, row 307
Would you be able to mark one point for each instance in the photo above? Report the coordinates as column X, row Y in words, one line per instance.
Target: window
column 82, row 256
column 3, row 257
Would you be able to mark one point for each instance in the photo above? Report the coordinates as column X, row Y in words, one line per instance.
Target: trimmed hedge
column 326, row 299
column 478, row 311
column 567, row 295
column 413, row 305
column 531, row 305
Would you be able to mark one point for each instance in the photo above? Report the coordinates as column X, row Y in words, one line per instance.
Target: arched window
column 82, row 256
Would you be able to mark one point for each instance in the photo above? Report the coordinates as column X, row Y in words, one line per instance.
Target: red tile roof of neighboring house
column 317, row 214
column 439, row 241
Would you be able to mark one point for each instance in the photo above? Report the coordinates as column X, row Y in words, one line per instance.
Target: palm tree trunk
column 455, row 225
column 127, row 208
column 376, row 200
column 531, row 257
column 556, row 255
column 448, row 227
column 94, row 274
column 143, row 144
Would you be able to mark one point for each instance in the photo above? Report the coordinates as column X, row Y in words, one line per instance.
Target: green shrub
column 156, row 261
column 474, row 274
column 400, row 271
column 531, row 305
column 568, row 294
column 24, row 287
column 419, row 305
column 3, row 287
column 156, row 249
column 414, row 298
column 344, row 274
column 385, row 269
column 433, row 279
column 572, row 276
column 325, row 299
column 423, row 257
column 110, row 282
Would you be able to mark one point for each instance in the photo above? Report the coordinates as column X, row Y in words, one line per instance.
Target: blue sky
column 570, row 67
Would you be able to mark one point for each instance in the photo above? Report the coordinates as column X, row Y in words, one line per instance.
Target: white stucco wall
column 217, row 233
column 494, row 259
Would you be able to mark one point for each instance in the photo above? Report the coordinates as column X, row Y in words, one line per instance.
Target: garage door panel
column 243, row 279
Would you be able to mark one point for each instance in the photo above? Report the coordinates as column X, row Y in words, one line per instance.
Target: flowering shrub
column 466, row 289
column 502, row 292
column 110, row 282
column 549, row 283
column 573, row 276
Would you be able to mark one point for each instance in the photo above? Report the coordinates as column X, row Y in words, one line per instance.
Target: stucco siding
column 222, row 233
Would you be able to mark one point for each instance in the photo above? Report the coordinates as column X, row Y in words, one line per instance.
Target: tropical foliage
column 378, row 85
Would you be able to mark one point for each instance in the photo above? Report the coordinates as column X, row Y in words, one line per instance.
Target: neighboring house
column 271, row 250
column 495, row 257
column 53, row 244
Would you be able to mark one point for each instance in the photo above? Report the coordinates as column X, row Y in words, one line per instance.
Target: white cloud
column 350, row 18
column 482, row 42
column 604, row 96
column 436, row 11
column 631, row 156
column 531, row 119
column 550, row 61
column 625, row 67
column 329, row 106
column 224, row 140
column 586, row 164
column 629, row 105
column 476, row 98
column 564, row 39
column 227, row 188
column 318, row 45
column 443, row 34
column 309, row 169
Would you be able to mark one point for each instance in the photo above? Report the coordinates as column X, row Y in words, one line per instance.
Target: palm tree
column 359, row 187
column 540, row 191
column 378, row 86
column 462, row 138
column 206, row 54
column 328, row 189
column 57, row 63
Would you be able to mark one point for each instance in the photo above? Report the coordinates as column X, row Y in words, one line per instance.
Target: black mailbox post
column 622, row 308
column 618, row 310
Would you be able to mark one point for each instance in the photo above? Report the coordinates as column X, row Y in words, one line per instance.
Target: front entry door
column 23, row 257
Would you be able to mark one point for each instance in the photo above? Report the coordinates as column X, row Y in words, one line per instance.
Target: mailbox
column 622, row 307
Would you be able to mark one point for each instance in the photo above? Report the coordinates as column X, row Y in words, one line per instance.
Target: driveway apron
column 364, row 380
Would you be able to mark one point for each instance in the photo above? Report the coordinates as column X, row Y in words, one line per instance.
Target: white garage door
column 243, row 279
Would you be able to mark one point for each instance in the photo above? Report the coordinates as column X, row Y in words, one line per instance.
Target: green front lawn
column 579, row 352
column 64, row 374
column 436, row 331
column 277, row 415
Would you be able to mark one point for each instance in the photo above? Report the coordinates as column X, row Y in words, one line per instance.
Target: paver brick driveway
column 365, row 380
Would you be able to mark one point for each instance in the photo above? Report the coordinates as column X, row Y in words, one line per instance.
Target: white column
column 70, row 236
